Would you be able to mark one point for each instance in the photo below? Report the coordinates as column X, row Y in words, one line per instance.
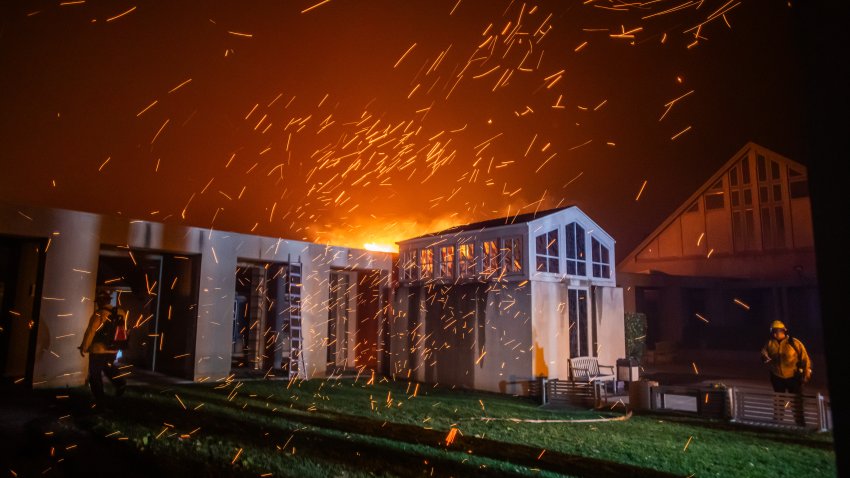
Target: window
column 447, row 262
column 576, row 259
column 577, row 316
column 741, row 203
column 513, row 255
column 600, row 259
column 714, row 196
column 798, row 184
column 489, row 258
column 466, row 259
column 771, row 205
column 407, row 267
column 426, row 263
column 547, row 252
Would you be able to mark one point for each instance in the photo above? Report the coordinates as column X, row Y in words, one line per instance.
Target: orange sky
column 371, row 122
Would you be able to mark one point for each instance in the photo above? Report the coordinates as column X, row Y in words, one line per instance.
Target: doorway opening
column 21, row 277
column 356, row 311
column 159, row 293
column 266, row 319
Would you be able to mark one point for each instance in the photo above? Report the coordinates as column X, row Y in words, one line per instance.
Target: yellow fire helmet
column 777, row 324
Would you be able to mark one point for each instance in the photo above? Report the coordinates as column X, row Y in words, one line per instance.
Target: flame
column 380, row 247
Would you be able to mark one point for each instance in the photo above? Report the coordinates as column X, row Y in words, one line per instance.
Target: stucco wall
column 549, row 330
column 610, row 322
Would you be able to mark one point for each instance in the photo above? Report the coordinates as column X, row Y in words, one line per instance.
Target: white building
column 202, row 304
column 496, row 304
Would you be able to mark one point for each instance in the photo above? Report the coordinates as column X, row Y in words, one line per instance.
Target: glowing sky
column 354, row 122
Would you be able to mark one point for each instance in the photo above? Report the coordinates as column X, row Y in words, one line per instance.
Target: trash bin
column 628, row 369
column 639, row 394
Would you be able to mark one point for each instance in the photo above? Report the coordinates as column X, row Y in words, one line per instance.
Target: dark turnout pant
column 792, row 385
column 103, row 363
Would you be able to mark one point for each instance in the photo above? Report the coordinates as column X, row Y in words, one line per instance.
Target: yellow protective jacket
column 97, row 319
column 784, row 357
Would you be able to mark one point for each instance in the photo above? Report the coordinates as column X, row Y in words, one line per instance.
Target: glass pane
column 767, row 230
column 606, row 271
column 780, row 226
column 748, row 216
column 541, row 264
column 582, row 268
column 571, row 267
column 733, row 176
column 745, row 170
column 540, row 243
column 799, row 189
column 735, row 198
column 594, row 250
column 714, row 201
column 553, row 265
column 605, row 258
column 763, row 194
column 748, row 197
column 571, row 241
column 580, row 246
column 552, row 245
column 597, row 270
column 777, row 192
column 774, row 170
column 762, row 168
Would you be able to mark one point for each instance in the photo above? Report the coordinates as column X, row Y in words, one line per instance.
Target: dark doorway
column 647, row 302
column 369, row 303
column 259, row 311
column 159, row 293
column 21, row 276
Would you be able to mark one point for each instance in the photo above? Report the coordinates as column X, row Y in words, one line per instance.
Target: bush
column 635, row 324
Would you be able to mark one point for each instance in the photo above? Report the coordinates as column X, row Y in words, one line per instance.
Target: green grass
column 348, row 428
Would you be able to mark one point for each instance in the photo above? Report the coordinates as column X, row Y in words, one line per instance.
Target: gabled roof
column 701, row 190
column 491, row 223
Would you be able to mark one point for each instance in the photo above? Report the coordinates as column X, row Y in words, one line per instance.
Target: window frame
column 550, row 242
column 580, row 261
column 602, row 264
column 446, row 268
column 513, row 239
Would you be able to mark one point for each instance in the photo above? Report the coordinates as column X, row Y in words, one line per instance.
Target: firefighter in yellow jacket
column 790, row 368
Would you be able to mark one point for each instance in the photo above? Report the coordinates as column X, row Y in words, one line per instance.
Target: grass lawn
column 348, row 428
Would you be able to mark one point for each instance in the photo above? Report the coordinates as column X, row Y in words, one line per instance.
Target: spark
column 741, row 303
column 643, row 186
column 699, row 239
column 116, row 17
column 700, row 317
column 404, row 55
column 238, row 34
column 179, row 86
column 450, row 438
column 104, row 164
column 688, row 443
column 147, row 108
column 680, row 133
column 696, row 370
column 315, row 6
column 236, row 457
column 160, row 130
